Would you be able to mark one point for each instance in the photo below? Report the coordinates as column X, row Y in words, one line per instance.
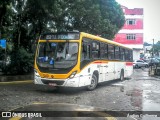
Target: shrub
column 21, row 62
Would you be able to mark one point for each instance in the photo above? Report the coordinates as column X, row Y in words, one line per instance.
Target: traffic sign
column 3, row 43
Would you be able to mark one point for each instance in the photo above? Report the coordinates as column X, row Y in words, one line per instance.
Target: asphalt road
column 140, row 93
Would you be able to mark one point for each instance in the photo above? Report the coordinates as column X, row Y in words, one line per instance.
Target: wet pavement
column 150, row 87
column 140, row 93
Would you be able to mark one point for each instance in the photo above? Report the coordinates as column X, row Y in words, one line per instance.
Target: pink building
column 132, row 32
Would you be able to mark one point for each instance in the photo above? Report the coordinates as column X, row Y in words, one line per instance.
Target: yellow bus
column 77, row 59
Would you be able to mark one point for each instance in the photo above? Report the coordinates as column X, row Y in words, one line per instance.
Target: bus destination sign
column 61, row 36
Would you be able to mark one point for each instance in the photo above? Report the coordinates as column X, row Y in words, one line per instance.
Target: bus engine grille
column 58, row 82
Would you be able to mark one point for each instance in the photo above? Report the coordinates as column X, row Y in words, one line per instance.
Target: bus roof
column 85, row 35
column 103, row 39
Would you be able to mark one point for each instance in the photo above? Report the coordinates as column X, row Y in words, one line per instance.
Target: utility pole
column 153, row 49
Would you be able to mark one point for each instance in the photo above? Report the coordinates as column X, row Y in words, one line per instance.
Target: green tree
column 27, row 19
column 21, row 62
column 2, row 53
column 99, row 17
column 146, row 44
column 156, row 48
column 22, row 21
column 5, row 19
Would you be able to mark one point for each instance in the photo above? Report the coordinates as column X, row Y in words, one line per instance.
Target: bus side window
column 122, row 54
column 95, row 50
column 85, row 51
column 103, row 51
column 131, row 55
column 117, row 53
column 128, row 55
column 111, row 52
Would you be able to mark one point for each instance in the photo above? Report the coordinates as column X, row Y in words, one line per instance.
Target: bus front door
column 103, row 72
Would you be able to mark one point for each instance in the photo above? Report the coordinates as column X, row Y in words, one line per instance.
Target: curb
column 16, row 82
column 6, row 78
column 157, row 77
column 18, row 79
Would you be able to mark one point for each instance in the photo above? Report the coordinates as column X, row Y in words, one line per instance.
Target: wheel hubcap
column 92, row 84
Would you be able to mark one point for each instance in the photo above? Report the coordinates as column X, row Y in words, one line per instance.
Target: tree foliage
column 29, row 18
column 146, row 44
column 21, row 62
column 5, row 18
column 22, row 21
column 156, row 48
column 101, row 17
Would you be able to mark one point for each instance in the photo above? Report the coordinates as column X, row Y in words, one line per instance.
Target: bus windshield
column 57, row 54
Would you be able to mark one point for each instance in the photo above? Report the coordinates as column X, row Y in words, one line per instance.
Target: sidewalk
column 154, row 72
column 155, row 76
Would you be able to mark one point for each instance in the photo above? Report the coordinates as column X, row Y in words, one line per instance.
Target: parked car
column 139, row 64
column 153, row 61
column 158, row 58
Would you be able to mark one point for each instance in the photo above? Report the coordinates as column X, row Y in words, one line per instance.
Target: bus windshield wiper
column 67, row 48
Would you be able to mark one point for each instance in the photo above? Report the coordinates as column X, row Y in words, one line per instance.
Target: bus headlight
column 36, row 73
column 73, row 74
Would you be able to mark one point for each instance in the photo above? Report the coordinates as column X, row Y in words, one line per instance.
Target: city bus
column 77, row 59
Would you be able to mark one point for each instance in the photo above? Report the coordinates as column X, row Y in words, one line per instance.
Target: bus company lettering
column 29, row 115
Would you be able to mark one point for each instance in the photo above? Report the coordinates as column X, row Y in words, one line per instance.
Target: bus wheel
column 146, row 66
column 122, row 75
column 93, row 84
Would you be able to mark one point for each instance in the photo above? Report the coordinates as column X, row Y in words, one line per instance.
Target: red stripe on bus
column 129, row 64
column 97, row 62
column 100, row 62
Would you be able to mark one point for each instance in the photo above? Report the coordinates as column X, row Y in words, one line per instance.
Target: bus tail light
column 73, row 74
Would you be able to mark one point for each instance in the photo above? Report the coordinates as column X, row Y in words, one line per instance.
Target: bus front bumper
column 69, row 82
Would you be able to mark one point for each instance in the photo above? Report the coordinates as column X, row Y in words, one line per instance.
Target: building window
column 131, row 36
column 131, row 21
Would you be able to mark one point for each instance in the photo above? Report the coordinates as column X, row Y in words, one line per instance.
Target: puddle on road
column 140, row 98
column 136, row 97
column 134, row 92
column 156, row 91
column 149, row 105
column 147, row 85
column 145, row 93
column 119, row 85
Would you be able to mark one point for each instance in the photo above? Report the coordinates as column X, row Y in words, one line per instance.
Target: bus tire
column 93, row 84
column 121, row 75
column 136, row 66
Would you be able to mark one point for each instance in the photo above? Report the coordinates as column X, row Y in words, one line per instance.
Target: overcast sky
column 151, row 17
